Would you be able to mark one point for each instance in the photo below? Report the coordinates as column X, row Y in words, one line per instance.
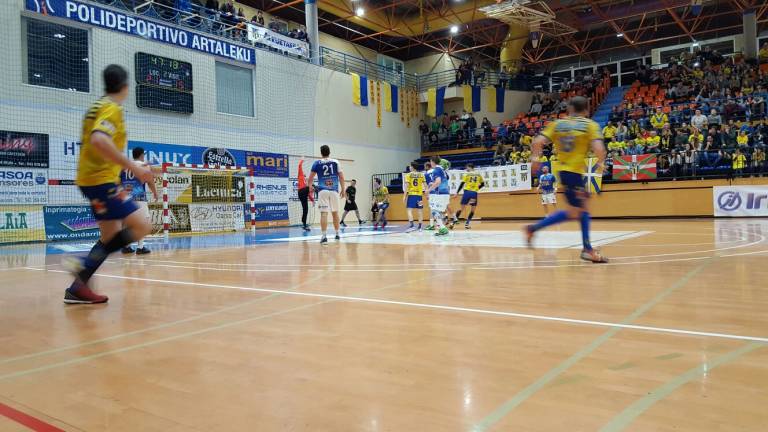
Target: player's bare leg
column 335, row 216
column 324, row 227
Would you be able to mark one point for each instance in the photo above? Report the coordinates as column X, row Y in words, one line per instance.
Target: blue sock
column 553, row 219
column 585, row 218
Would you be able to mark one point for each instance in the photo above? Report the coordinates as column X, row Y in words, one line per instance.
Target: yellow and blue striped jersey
column 104, row 116
column 572, row 140
column 472, row 181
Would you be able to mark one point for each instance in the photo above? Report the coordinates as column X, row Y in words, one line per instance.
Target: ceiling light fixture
column 619, row 35
column 360, row 12
column 454, row 29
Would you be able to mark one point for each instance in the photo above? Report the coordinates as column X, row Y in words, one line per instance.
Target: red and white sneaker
column 593, row 256
column 80, row 293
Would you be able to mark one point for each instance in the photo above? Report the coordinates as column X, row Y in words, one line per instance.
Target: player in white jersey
column 138, row 191
column 439, row 194
column 330, row 184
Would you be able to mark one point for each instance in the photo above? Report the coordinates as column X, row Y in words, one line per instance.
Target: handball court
column 397, row 332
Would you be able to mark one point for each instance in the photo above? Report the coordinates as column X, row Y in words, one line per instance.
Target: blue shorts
column 109, row 201
column 575, row 193
column 469, row 197
column 414, row 202
column 383, row 206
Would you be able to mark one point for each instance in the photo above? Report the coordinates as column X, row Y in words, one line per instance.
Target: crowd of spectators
column 712, row 117
column 455, row 131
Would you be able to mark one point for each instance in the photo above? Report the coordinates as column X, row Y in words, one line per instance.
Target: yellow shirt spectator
column 695, row 139
column 609, row 131
column 658, row 121
column 739, row 161
column 526, row 140
column 617, row 145
column 742, row 139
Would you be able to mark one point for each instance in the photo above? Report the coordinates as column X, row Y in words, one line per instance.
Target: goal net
column 204, row 199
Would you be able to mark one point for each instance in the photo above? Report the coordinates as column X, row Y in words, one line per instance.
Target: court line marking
column 637, row 408
column 182, row 335
column 357, row 299
column 521, row 396
column 762, row 238
column 26, row 420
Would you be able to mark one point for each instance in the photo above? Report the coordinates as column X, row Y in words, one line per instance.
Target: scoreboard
column 163, row 83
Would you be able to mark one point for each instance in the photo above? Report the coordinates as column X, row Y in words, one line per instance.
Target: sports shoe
column 528, row 232
column 451, row 225
column 384, row 225
column 442, row 231
column 410, row 229
column 337, row 238
column 143, row 251
column 324, row 240
column 593, row 256
column 306, row 228
column 361, row 222
column 430, row 228
column 466, row 226
column 127, row 250
column 375, row 227
column 343, row 224
column 80, row 293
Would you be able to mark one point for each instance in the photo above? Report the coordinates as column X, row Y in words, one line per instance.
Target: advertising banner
column 177, row 213
column 119, row 21
column 21, row 224
column 218, row 188
column 730, row 201
column 268, row 164
column 216, row 217
column 70, row 223
column 21, row 149
column 505, row 178
column 23, row 186
column 275, row 40
column 272, row 189
column 270, row 214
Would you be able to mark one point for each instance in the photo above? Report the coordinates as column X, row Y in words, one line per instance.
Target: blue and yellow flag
column 495, row 99
column 471, row 98
column 435, row 100
column 593, row 178
column 359, row 89
column 389, row 96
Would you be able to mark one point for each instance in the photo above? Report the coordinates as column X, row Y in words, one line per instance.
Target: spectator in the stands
column 454, row 129
column 210, row 14
column 499, row 157
column 739, row 162
column 434, row 130
column 503, row 77
column 487, row 130
column 758, row 160
column 621, row 131
column 634, row 147
column 471, row 126
column 699, row 120
column 742, row 139
column 424, row 132
column 652, row 142
column 714, row 119
column 454, row 116
column 609, row 131
column 228, row 16
column 258, row 19
column 659, row 119
column 445, row 123
column 502, row 132
column 728, row 136
column 536, row 108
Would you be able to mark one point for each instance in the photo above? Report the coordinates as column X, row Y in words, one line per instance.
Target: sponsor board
column 218, row 188
column 269, row 214
column 507, row 178
column 730, row 201
column 23, row 186
column 218, row 156
column 272, row 189
column 70, row 223
column 179, row 186
column 149, row 29
column 63, row 153
column 178, row 215
column 268, row 164
column 21, row 149
column 21, row 223
column 216, row 217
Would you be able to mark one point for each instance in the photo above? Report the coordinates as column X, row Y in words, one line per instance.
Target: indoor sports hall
column 365, row 215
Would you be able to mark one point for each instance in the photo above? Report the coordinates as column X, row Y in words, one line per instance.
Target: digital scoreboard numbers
column 163, row 83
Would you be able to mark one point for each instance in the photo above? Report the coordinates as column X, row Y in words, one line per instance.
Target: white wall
column 298, row 106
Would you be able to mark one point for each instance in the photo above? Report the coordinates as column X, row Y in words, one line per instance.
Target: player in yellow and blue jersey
column 471, row 183
column 413, row 183
column 102, row 158
column 572, row 137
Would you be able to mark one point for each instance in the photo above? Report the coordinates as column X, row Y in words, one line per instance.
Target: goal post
column 200, row 198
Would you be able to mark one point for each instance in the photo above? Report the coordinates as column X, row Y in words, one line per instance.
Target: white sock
column 141, row 244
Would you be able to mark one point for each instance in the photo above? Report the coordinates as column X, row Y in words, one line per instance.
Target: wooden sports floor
column 399, row 332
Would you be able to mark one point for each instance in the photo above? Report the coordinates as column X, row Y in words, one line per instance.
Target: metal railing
column 487, row 78
column 346, row 63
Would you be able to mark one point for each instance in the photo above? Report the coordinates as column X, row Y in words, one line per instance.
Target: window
column 234, row 90
column 667, row 56
column 724, row 47
column 56, row 56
